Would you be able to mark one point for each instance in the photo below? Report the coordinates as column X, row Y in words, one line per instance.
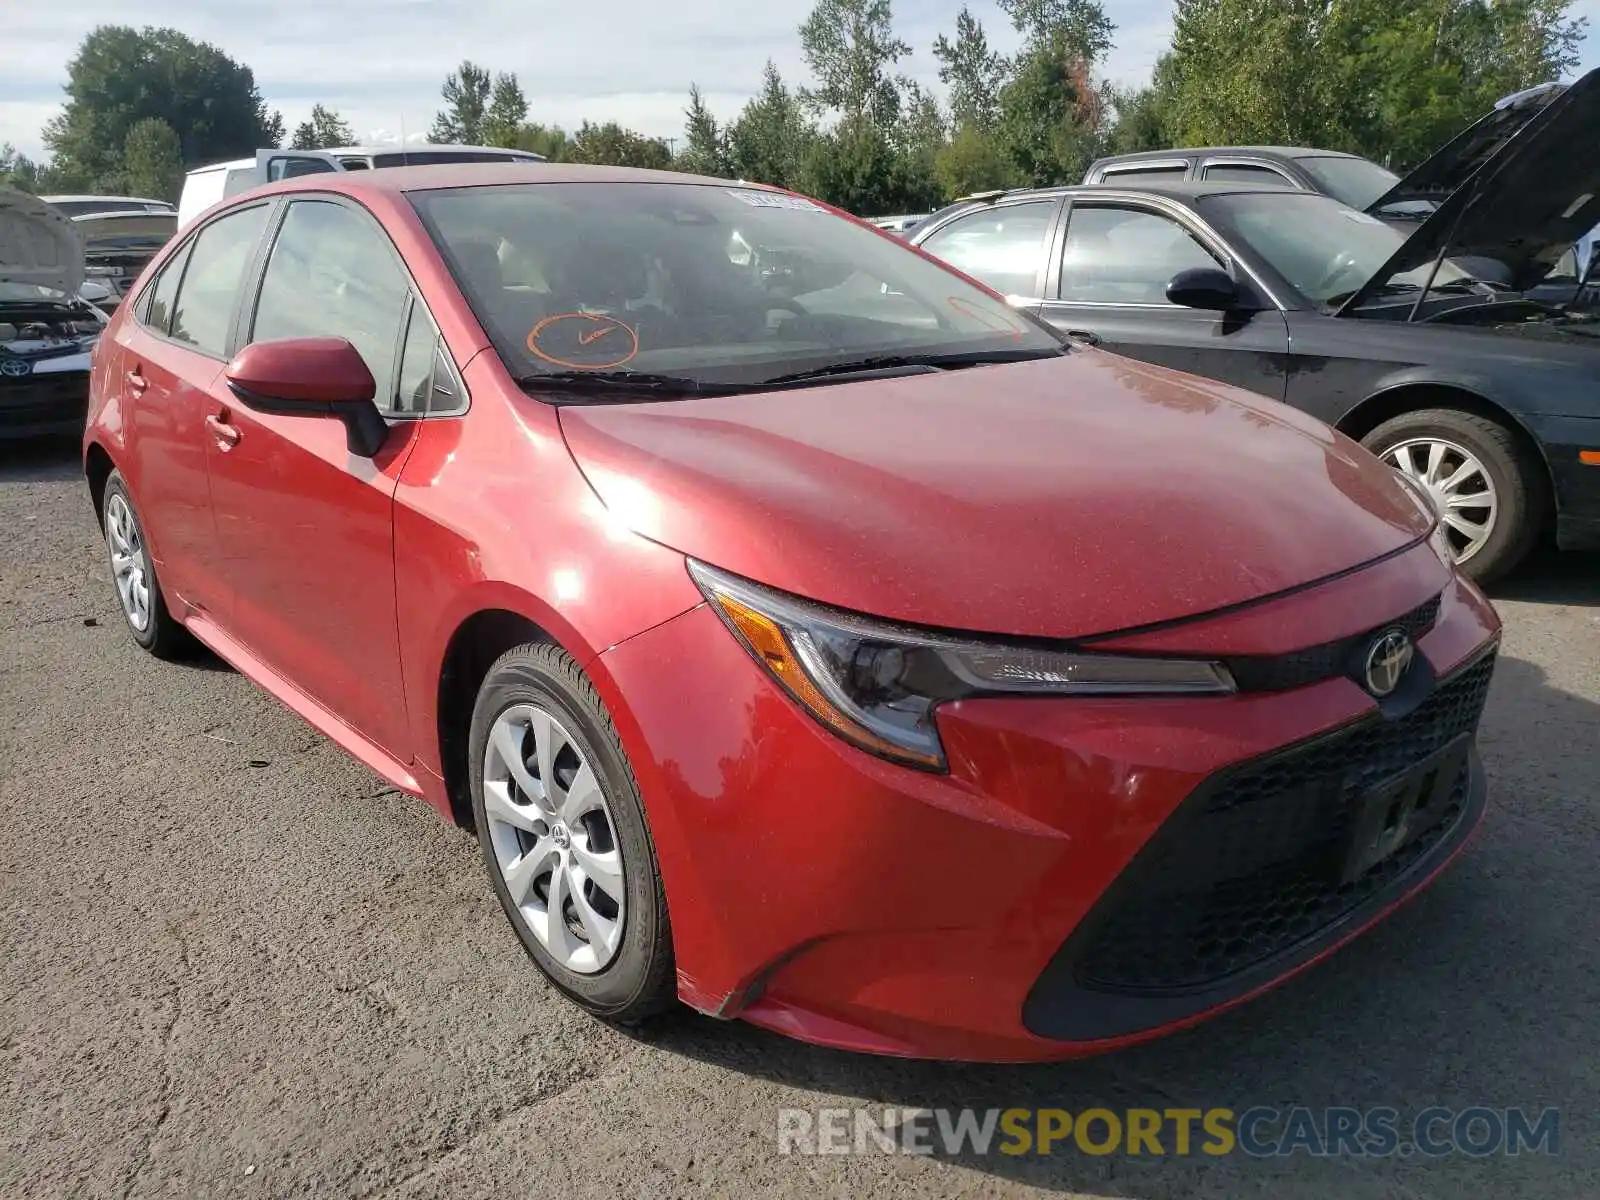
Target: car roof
column 1185, row 151
column 423, row 148
column 429, row 177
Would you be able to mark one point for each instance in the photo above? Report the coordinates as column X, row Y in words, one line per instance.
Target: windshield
column 1325, row 250
column 721, row 285
column 1355, row 181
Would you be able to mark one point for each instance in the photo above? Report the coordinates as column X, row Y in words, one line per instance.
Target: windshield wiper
column 627, row 381
column 911, row 364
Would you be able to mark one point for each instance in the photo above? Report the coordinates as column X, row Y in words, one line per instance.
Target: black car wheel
column 133, row 574
column 564, row 838
column 1489, row 489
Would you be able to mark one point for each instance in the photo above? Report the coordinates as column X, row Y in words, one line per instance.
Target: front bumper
column 1577, row 483
column 43, row 405
column 826, row 894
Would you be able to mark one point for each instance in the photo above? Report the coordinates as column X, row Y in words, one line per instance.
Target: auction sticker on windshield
column 774, row 200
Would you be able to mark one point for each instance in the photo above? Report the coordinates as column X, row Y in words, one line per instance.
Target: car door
column 166, row 362
column 304, row 526
column 1109, row 289
column 1004, row 245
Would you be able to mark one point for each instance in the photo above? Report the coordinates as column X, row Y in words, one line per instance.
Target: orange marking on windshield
column 565, row 340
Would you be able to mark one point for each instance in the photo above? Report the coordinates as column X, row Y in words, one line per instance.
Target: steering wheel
column 1341, row 266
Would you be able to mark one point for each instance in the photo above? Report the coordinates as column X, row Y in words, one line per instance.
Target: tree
column 152, row 161
column 612, row 145
column 972, row 161
column 917, row 141
column 1050, row 115
column 853, row 166
column 323, row 131
column 121, row 76
column 769, row 140
column 974, row 73
column 1143, row 116
column 850, row 47
column 1081, row 27
column 549, row 140
column 705, row 145
column 508, row 112
column 466, row 98
column 17, row 170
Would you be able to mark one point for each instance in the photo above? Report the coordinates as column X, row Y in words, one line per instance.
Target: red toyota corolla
column 806, row 633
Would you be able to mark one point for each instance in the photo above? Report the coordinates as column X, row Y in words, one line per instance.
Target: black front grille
column 1282, row 672
column 1249, row 868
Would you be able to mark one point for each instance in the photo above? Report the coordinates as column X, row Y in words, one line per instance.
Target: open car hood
column 39, row 245
column 1534, row 196
column 1459, row 159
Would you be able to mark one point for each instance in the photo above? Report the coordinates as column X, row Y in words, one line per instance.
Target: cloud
column 379, row 63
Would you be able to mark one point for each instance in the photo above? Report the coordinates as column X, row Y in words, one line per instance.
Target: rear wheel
column 564, row 838
column 1488, row 489
column 133, row 574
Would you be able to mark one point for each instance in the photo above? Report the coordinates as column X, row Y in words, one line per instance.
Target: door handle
column 227, row 435
column 1087, row 336
column 136, row 381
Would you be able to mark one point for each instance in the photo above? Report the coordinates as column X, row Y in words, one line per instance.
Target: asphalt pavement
column 236, row 963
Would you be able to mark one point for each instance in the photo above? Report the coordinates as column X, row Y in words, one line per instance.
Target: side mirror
column 311, row 377
column 1204, row 287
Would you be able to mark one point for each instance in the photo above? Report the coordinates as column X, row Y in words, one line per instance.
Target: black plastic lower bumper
column 1270, row 863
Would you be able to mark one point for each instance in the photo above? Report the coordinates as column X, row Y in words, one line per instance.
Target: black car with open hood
column 1486, row 396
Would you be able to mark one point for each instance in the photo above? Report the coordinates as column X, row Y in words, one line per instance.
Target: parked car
column 1490, row 399
column 204, row 186
column 79, row 206
column 896, row 224
column 118, row 245
column 47, row 330
column 900, row 678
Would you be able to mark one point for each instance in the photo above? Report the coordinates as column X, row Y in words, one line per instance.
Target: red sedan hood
column 1056, row 498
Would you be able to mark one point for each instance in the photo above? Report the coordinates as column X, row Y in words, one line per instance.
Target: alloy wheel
column 554, row 840
column 127, row 562
column 1460, row 486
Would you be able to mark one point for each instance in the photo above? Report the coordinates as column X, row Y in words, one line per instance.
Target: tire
column 150, row 623
column 1516, row 475
column 638, row 980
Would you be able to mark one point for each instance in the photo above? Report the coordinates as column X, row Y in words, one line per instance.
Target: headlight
column 876, row 684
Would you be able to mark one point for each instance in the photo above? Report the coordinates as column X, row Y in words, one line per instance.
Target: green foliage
column 549, row 140
column 152, row 161
column 705, row 144
column 507, row 113
column 325, row 130
column 466, row 99
column 121, row 76
column 612, row 145
column 770, row 139
column 17, row 170
column 972, row 161
column 855, row 167
column 1050, row 115
column 851, row 47
column 974, row 73
column 1080, row 28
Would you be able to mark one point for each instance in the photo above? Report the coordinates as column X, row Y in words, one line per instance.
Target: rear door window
column 202, row 314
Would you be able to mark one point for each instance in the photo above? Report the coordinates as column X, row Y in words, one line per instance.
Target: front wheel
column 1488, row 489
column 564, row 837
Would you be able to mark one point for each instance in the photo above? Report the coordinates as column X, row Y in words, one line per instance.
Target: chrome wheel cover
column 127, row 562
column 1459, row 485
column 554, row 840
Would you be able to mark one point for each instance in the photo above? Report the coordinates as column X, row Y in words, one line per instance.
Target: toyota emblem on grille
column 15, row 367
column 1387, row 659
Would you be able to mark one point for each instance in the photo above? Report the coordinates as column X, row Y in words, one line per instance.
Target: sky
column 379, row 63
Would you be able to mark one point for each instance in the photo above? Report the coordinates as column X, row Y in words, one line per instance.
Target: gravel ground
column 237, row 963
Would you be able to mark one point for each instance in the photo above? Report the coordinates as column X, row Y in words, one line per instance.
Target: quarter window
column 333, row 274
column 424, row 384
column 1125, row 256
column 1246, row 173
column 202, row 314
column 1003, row 246
column 158, row 312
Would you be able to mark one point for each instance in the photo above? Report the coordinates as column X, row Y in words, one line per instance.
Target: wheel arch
column 97, row 468
column 1405, row 396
